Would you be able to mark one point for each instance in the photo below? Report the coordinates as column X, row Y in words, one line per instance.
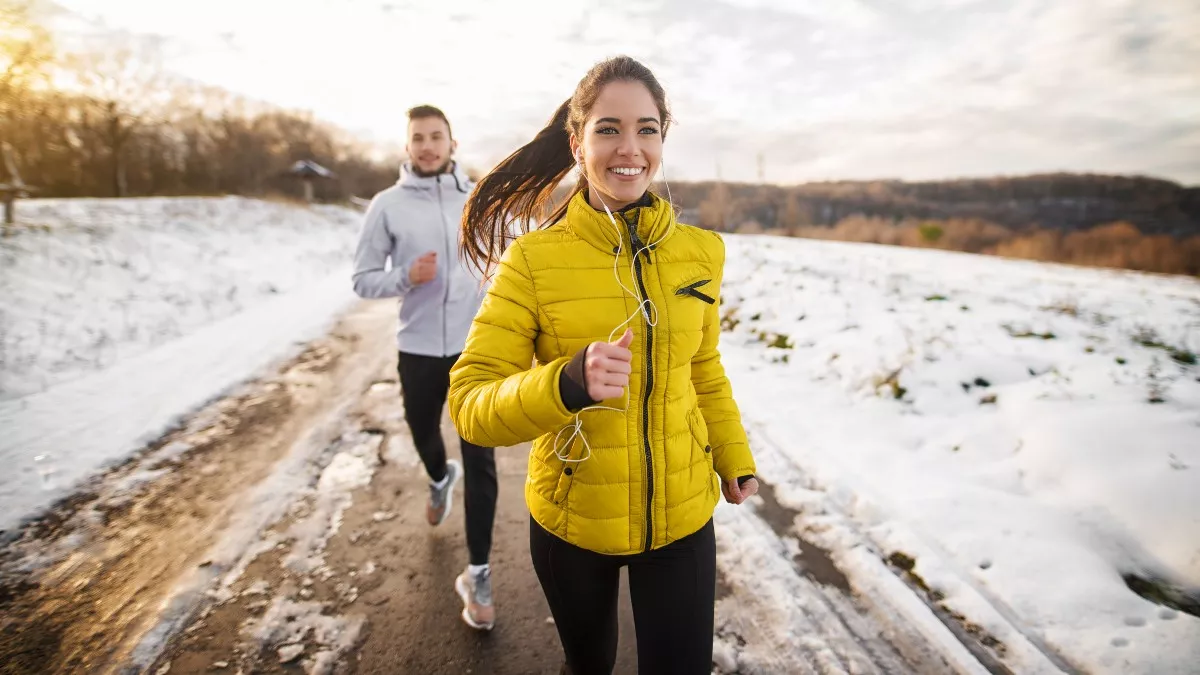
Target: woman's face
column 621, row 144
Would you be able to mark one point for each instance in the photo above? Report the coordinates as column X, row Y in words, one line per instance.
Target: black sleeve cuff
column 572, row 385
column 742, row 480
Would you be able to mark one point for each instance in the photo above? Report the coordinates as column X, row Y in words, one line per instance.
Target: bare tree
column 26, row 48
column 122, row 75
column 794, row 213
column 715, row 209
column 108, row 121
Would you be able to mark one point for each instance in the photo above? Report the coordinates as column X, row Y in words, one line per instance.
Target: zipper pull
column 636, row 241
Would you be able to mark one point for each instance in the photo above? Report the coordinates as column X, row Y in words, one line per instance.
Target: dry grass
column 1113, row 245
column 1117, row 245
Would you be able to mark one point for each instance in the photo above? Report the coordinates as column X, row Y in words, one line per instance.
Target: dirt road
column 389, row 568
column 123, row 575
column 281, row 530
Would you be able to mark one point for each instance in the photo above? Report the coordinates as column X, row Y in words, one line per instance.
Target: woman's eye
column 606, row 130
column 648, row 130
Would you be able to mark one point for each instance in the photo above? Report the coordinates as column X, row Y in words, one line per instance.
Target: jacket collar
column 654, row 222
column 453, row 178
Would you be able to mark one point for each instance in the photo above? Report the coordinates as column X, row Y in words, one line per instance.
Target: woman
column 632, row 435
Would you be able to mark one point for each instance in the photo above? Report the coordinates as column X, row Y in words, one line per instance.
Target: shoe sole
column 461, row 587
column 457, row 473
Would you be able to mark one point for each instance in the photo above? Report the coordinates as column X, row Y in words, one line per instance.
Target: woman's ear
column 576, row 150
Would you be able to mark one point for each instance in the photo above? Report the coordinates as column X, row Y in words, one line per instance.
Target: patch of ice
column 289, row 653
column 169, row 453
column 352, row 466
column 287, row 622
column 401, row 452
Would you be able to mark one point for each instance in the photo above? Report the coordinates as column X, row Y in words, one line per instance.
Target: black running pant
column 673, row 590
column 424, row 383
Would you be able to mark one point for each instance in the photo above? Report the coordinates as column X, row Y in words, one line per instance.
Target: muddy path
column 281, row 530
column 80, row 587
column 378, row 596
column 168, row 562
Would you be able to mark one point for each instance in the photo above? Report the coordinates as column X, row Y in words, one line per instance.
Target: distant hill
column 1064, row 202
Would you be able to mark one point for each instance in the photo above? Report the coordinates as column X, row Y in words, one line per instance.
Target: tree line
column 1066, row 202
column 104, row 119
column 1129, row 222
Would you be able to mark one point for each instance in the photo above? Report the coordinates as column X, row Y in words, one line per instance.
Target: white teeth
column 626, row 171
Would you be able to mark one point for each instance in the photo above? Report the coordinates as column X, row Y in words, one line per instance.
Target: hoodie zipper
column 446, row 282
column 637, row 266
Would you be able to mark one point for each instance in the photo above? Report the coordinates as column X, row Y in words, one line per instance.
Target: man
column 415, row 224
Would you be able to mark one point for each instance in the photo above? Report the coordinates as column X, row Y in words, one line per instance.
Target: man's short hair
column 424, row 111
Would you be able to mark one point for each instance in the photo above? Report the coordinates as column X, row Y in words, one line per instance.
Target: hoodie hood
column 410, row 179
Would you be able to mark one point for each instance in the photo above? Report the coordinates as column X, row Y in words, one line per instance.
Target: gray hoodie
column 416, row 215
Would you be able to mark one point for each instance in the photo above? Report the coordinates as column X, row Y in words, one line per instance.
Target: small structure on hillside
column 14, row 188
column 309, row 171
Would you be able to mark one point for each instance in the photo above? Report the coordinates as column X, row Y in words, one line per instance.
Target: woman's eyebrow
column 641, row 120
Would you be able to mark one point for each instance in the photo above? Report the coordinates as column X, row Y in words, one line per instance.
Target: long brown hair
column 520, row 188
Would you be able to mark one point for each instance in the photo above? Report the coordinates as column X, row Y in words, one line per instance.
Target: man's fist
column 423, row 269
column 607, row 367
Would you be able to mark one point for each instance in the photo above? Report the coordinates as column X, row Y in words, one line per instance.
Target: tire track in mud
column 81, row 584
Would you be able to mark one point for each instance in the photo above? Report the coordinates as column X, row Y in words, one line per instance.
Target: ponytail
column 519, row 190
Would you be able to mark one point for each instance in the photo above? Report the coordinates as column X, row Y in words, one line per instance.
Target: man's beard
column 445, row 168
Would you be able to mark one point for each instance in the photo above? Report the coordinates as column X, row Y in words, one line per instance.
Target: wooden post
column 9, row 198
column 15, row 187
column 308, row 190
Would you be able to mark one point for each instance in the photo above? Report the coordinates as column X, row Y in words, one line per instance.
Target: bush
column 1120, row 245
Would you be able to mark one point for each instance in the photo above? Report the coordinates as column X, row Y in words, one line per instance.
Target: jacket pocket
column 565, row 478
column 689, row 304
column 700, row 436
column 700, row 432
column 695, row 289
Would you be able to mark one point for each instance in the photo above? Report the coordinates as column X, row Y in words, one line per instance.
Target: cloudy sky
column 820, row 89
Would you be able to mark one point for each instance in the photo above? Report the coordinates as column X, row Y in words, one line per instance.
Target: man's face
column 429, row 144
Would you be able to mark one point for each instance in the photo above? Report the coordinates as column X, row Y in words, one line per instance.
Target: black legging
column 424, row 383
column 673, row 590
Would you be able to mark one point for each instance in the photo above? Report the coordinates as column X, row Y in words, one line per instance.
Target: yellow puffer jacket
column 649, row 479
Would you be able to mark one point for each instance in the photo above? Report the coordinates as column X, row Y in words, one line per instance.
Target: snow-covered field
column 1022, row 435
column 88, row 283
column 118, row 316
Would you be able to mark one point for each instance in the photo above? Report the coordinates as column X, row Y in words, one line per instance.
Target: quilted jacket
column 651, row 471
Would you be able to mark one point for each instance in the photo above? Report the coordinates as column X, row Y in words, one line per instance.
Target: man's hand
column 607, row 367
column 423, row 269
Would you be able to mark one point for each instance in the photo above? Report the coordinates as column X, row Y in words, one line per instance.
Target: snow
column 120, row 316
column 314, row 482
column 343, row 465
column 991, row 419
column 289, row 623
column 1026, row 433
column 352, row 467
column 777, row 621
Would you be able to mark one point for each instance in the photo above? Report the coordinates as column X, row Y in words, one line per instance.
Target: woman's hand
column 607, row 367
column 735, row 494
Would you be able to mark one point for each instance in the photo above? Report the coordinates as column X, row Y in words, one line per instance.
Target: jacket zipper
column 446, row 283
column 637, row 266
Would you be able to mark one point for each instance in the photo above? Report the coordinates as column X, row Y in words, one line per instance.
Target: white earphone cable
column 645, row 306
